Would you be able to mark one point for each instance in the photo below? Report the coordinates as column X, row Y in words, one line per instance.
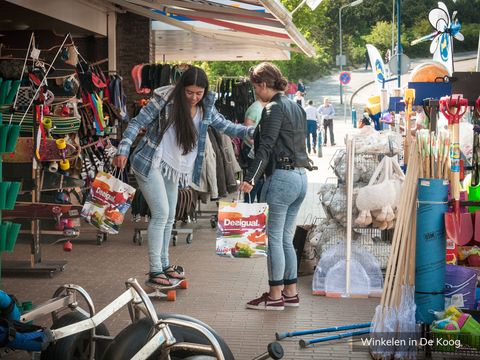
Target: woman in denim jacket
column 281, row 155
column 171, row 154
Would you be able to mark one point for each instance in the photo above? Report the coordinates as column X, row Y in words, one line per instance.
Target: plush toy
column 378, row 200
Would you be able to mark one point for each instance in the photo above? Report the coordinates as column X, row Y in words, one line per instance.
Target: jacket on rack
column 279, row 138
column 142, row 157
column 208, row 180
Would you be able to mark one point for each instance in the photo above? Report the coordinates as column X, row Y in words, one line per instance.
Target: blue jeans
column 284, row 192
column 311, row 130
column 161, row 195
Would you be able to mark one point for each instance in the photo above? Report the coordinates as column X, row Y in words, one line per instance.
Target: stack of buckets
column 8, row 190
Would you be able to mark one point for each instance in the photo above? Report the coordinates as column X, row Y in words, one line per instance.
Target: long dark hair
column 180, row 116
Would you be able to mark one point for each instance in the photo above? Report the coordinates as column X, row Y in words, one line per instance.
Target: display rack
column 35, row 265
column 8, row 190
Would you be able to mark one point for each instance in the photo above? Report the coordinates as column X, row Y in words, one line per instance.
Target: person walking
column 326, row 113
column 311, row 112
column 299, row 99
column 171, row 153
column 301, row 87
column 281, row 155
column 367, row 59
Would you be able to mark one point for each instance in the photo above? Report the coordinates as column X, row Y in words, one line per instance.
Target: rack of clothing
column 148, row 77
column 235, row 95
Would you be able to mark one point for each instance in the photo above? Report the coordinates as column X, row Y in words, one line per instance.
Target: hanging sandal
column 175, row 272
column 159, row 279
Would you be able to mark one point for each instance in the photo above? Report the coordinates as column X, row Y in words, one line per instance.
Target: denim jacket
column 142, row 157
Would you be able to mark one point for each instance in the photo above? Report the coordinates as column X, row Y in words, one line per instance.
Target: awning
column 186, row 30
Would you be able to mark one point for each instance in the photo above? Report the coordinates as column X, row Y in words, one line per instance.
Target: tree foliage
column 369, row 22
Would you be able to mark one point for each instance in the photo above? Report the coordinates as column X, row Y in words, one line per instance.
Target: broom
column 386, row 317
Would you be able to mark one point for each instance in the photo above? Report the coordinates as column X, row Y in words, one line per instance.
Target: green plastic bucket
column 4, row 129
column 12, row 236
column 4, row 186
column 444, row 340
column 11, row 195
column 4, row 229
column 12, row 137
column 474, row 195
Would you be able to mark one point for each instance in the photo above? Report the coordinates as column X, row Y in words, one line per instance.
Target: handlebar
column 274, row 351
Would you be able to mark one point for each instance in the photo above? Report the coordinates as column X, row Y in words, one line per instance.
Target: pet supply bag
column 108, row 201
column 241, row 229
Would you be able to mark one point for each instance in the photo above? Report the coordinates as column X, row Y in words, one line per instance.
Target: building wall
column 134, row 46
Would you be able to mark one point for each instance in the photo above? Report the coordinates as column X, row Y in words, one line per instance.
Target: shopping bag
column 241, row 229
column 108, row 201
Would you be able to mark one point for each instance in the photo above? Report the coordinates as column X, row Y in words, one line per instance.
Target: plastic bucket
column 4, row 229
column 12, row 235
column 444, row 340
column 11, row 195
column 13, row 133
column 4, row 186
column 4, row 129
column 430, row 248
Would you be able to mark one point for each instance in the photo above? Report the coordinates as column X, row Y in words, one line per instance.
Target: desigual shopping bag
column 108, row 201
column 241, row 229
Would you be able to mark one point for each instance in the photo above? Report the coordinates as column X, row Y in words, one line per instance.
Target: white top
column 311, row 112
column 169, row 155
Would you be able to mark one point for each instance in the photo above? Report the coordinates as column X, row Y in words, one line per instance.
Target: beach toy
column 462, row 281
column 469, row 326
column 446, row 339
column 453, row 313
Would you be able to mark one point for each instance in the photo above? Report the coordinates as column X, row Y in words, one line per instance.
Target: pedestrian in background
column 311, row 112
column 367, row 59
column 252, row 117
column 299, row 99
column 326, row 113
column 291, row 90
column 301, row 87
column 280, row 154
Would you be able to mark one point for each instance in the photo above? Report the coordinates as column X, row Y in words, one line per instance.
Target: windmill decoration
column 446, row 28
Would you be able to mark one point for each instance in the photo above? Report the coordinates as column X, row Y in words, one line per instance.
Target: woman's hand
column 120, row 161
column 245, row 187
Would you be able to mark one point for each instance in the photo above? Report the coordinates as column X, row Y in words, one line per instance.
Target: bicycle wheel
column 131, row 339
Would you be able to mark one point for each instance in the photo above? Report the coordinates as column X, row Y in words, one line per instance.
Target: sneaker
column 264, row 302
column 291, row 301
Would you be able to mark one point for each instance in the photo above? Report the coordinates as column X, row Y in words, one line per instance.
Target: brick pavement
column 219, row 289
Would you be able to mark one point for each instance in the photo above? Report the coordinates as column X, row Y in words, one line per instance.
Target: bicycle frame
column 138, row 302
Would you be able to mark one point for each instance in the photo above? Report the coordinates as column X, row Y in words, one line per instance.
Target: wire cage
column 334, row 203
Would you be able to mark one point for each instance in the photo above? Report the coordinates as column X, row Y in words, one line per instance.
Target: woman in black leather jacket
column 280, row 154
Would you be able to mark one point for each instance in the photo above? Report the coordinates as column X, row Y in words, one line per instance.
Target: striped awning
column 220, row 29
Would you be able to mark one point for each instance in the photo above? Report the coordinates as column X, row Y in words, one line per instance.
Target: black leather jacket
column 279, row 138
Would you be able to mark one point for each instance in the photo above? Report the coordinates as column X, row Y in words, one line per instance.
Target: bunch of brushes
column 434, row 153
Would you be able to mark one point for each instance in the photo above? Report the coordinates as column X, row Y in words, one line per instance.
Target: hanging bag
column 380, row 196
column 242, row 229
column 108, row 201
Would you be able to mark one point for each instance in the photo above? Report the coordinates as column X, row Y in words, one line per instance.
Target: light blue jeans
column 161, row 195
column 284, row 193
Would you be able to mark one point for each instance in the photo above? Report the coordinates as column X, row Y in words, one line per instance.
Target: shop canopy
column 182, row 29
column 220, row 29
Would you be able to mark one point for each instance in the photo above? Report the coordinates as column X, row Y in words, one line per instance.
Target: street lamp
column 354, row 3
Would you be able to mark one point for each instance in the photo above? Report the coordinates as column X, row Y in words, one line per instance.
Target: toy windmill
column 446, row 28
